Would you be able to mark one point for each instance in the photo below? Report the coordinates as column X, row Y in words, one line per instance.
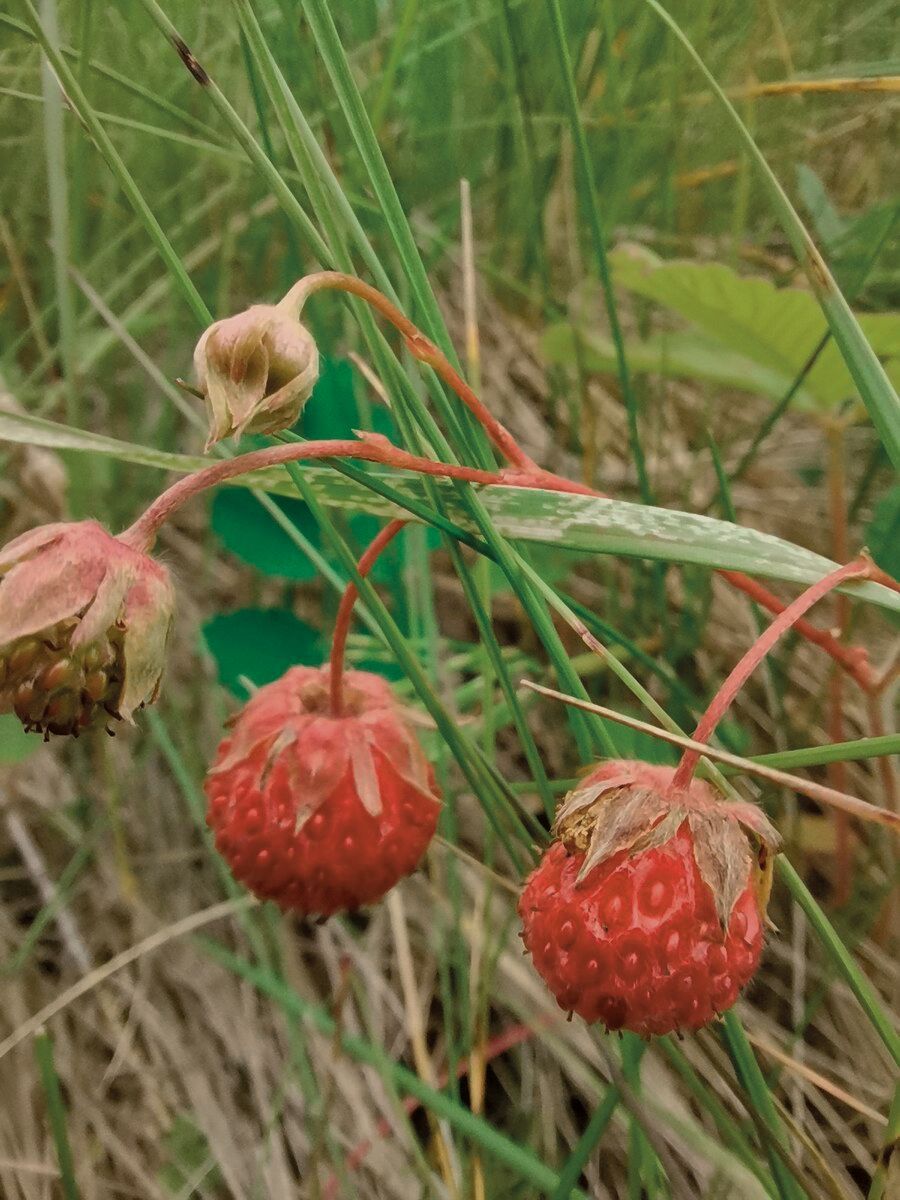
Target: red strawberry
column 316, row 812
column 647, row 912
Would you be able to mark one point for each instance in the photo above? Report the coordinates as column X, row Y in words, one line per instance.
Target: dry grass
column 181, row 1079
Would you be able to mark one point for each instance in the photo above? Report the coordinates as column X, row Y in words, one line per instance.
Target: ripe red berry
column 647, row 913
column 316, row 812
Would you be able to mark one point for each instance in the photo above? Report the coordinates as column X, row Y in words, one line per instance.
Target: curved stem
column 419, row 346
column 371, row 448
column 853, row 659
column 722, row 700
column 345, row 612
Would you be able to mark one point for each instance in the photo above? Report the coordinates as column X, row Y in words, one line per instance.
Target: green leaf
column 588, row 524
column 680, row 354
column 15, row 744
column 248, row 532
column 332, row 411
column 828, row 222
column 776, row 328
column 260, row 644
column 883, row 534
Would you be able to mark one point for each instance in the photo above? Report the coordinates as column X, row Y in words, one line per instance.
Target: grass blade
column 56, row 1113
column 875, row 388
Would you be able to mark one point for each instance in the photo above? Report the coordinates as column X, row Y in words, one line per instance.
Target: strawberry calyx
column 634, row 807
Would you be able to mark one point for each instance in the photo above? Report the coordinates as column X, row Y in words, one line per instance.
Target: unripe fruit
column 84, row 620
column 647, row 913
column 317, row 812
column 256, row 371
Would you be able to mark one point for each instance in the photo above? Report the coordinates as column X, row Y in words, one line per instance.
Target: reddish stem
column 371, row 448
column 421, row 348
column 852, row 659
column 722, row 700
column 345, row 612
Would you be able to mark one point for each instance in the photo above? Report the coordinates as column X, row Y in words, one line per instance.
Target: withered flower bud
column 84, row 620
column 256, row 371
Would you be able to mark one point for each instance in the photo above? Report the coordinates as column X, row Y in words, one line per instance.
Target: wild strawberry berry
column 321, row 812
column 647, row 913
column 84, row 619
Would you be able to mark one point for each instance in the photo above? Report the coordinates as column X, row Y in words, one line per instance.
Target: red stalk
column 371, row 448
column 852, row 659
column 722, row 700
column 345, row 612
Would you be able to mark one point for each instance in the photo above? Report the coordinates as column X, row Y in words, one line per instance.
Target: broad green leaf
column 260, row 644
column 775, row 327
column 883, row 534
column 682, row 354
column 246, row 530
column 588, row 524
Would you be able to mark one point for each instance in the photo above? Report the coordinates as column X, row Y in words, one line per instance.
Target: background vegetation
column 412, row 1051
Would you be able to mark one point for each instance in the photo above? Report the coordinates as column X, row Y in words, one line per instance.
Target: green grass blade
column 56, row 1113
column 598, row 240
column 757, row 1092
column 586, row 1145
column 875, row 388
column 841, row 959
column 58, row 208
column 461, row 1119
column 125, row 179
column 242, row 134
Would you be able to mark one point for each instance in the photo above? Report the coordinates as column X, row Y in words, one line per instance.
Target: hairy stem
column 419, row 346
column 852, row 659
column 371, row 448
column 345, row 612
column 721, row 702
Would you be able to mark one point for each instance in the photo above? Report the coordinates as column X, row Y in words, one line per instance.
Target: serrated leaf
column 260, row 644
column 774, row 327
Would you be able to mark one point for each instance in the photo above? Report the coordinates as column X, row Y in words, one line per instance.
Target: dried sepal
column 365, row 776
column 723, row 857
column 256, row 370
column 84, row 620
column 632, row 807
column 627, row 815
